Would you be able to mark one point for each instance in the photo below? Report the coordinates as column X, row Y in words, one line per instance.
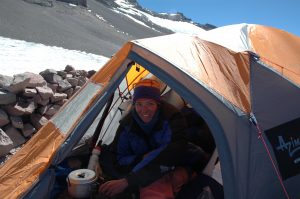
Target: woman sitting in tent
column 152, row 152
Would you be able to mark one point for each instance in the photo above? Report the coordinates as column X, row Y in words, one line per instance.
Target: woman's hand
column 113, row 187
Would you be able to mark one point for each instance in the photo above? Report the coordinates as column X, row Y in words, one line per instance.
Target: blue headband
column 147, row 92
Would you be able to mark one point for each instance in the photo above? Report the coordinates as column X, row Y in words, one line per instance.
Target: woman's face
column 146, row 108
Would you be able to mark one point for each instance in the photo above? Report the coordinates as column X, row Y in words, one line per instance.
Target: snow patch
column 19, row 56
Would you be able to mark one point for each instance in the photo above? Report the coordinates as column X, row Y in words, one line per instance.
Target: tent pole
column 100, row 124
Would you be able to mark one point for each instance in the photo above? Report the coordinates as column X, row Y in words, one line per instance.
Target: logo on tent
column 290, row 146
column 285, row 141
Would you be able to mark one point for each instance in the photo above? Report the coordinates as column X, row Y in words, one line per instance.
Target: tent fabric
column 25, row 167
column 135, row 74
column 226, row 74
column 278, row 49
column 221, row 69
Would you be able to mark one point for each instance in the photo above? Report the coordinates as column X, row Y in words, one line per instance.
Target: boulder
column 7, row 97
column 20, row 108
column 38, row 121
column 19, row 83
column 28, row 130
column 15, row 135
column 45, row 92
column 35, row 80
column 3, row 118
column 29, row 92
column 5, row 81
column 6, row 143
column 17, row 122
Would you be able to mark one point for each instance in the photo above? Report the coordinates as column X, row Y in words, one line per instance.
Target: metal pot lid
column 82, row 176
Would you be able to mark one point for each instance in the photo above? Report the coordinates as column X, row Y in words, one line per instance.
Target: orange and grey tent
column 242, row 79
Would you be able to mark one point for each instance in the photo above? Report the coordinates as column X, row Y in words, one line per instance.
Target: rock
column 5, row 81
column 22, row 114
column 42, row 110
column 69, row 92
column 90, row 73
column 51, row 76
column 73, row 73
column 69, row 76
column 3, row 118
column 76, row 2
column 28, row 130
column 53, row 87
column 19, row 83
column 15, row 135
column 29, row 92
column 6, row 143
column 45, row 92
column 38, row 120
column 69, row 68
column 35, row 80
column 20, row 108
column 63, row 85
column 45, row 3
column 48, row 71
column 73, row 81
column 62, row 102
column 58, row 97
column 77, row 88
column 63, row 74
column 52, row 110
column 17, row 122
column 81, row 73
column 82, row 81
column 7, row 97
column 38, row 99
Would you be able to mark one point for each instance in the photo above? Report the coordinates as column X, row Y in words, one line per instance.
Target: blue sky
column 276, row 13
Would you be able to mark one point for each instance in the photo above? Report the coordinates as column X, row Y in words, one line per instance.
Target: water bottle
column 94, row 161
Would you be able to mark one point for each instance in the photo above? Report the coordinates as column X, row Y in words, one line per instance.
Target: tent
column 242, row 79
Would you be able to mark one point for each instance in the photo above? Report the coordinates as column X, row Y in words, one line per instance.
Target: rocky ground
column 28, row 101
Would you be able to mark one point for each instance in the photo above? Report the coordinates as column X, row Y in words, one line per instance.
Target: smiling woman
column 152, row 152
column 146, row 99
column 146, row 109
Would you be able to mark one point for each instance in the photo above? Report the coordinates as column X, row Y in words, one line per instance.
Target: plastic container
column 94, row 161
column 94, row 158
column 80, row 183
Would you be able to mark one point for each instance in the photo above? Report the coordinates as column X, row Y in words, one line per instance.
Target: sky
column 275, row 13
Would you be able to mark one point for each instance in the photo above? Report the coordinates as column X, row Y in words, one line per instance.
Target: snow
column 176, row 26
column 19, row 56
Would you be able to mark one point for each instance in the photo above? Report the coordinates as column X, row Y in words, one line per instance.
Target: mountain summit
column 94, row 26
